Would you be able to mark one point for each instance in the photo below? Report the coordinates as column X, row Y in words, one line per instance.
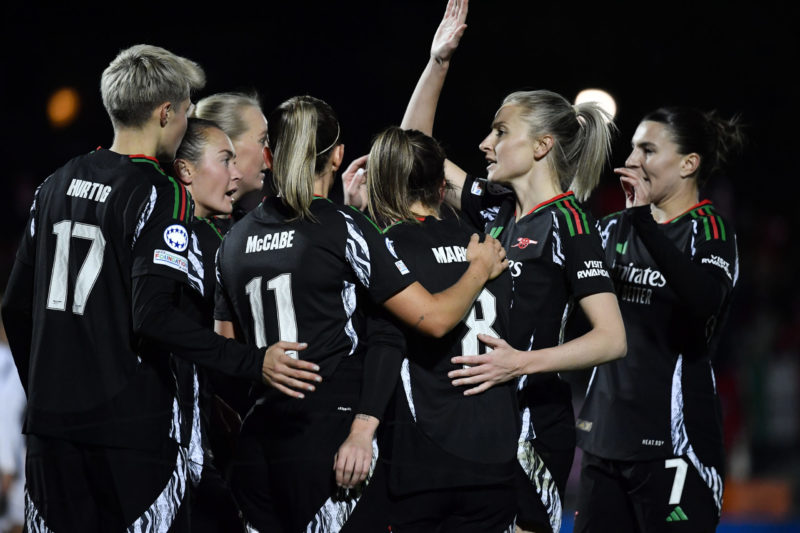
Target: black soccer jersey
column 661, row 399
column 282, row 278
column 95, row 223
column 555, row 258
column 205, row 238
column 442, row 438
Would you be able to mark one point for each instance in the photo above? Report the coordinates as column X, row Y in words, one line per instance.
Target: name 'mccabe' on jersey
column 441, row 437
column 283, row 278
column 663, row 392
column 555, row 258
column 96, row 223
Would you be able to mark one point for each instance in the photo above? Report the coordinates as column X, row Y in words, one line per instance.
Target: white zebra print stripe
column 680, row 438
column 541, row 478
column 145, row 216
column 357, row 251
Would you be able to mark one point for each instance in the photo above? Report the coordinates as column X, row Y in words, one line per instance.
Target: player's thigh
column 602, row 502
column 481, row 509
column 670, row 495
column 540, row 483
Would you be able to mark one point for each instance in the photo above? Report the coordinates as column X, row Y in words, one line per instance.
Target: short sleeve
column 162, row 236
column 713, row 247
column 584, row 264
column 373, row 259
column 481, row 200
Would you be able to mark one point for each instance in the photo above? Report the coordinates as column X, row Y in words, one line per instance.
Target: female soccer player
column 450, row 458
column 94, row 320
column 204, row 163
column 239, row 115
column 539, row 147
column 651, row 425
column 293, row 270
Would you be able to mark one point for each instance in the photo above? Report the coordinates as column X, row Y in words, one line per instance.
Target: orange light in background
column 63, row 106
column 602, row 98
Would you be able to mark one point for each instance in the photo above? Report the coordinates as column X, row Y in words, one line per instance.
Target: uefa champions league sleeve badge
column 176, row 237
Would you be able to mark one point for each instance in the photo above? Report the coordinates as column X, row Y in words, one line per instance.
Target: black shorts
column 541, row 480
column 631, row 496
column 282, row 472
column 213, row 508
column 475, row 509
column 82, row 487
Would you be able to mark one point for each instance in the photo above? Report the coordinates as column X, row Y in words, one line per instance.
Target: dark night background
column 364, row 59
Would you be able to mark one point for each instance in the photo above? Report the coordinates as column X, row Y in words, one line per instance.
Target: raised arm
column 604, row 342
column 421, row 109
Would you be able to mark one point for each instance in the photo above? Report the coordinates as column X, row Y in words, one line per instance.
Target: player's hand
column 501, row 364
column 636, row 185
column 354, row 183
column 354, row 458
column 489, row 254
column 450, row 30
column 287, row 374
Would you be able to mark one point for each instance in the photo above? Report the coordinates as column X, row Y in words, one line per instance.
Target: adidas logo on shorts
column 677, row 515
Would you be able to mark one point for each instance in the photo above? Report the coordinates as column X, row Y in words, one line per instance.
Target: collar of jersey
column 555, row 199
column 137, row 158
column 696, row 206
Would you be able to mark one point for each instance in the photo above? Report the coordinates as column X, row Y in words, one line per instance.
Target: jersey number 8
column 487, row 303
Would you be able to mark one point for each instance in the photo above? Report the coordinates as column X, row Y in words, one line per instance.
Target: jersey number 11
column 287, row 322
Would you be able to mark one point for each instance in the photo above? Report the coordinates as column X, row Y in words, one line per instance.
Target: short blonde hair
column 143, row 77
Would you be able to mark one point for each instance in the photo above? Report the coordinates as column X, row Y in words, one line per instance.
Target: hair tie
column 338, row 130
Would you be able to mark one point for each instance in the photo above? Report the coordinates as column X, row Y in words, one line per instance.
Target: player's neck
column 421, row 210
column 322, row 184
column 534, row 191
column 675, row 204
column 129, row 141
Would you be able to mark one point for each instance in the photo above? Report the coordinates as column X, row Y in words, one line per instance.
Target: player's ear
column 689, row 164
column 267, row 157
column 337, row 157
column 163, row 112
column 184, row 170
column 542, row 146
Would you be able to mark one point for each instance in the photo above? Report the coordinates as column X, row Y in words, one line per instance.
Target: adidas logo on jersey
column 89, row 190
column 270, row 241
column 677, row 515
column 450, row 254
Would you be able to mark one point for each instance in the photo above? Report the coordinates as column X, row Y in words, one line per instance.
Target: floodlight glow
column 602, row 98
column 62, row 107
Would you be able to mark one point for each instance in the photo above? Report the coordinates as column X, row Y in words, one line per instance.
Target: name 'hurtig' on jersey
column 270, row 241
column 89, row 190
column 450, row 254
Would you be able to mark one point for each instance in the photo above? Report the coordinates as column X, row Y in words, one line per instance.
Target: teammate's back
column 87, row 235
